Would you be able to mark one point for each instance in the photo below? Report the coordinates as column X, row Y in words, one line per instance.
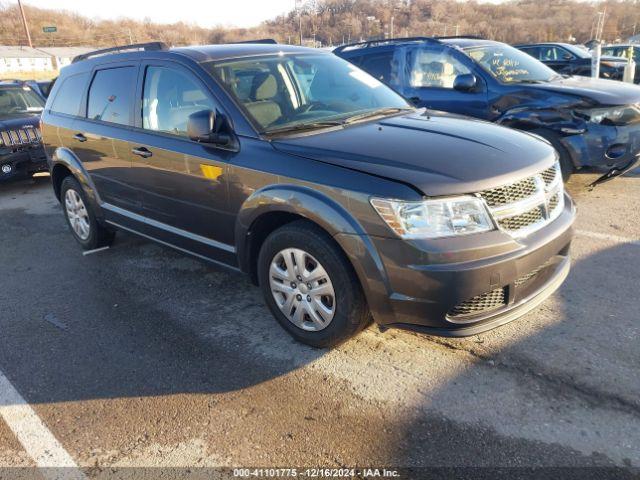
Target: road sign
column 49, row 29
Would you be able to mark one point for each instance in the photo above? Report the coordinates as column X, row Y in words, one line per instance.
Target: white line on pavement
column 608, row 237
column 37, row 440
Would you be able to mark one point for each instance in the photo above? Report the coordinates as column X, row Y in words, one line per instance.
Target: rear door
column 429, row 74
column 102, row 135
column 558, row 58
column 183, row 183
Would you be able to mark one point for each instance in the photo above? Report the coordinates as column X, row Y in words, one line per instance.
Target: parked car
column 621, row 51
column 21, row 152
column 590, row 122
column 339, row 199
column 570, row 59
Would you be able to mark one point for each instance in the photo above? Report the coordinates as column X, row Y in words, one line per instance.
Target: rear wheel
column 81, row 218
column 310, row 287
column 566, row 164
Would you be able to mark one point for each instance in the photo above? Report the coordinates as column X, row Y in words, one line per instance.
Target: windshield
column 510, row 65
column 577, row 51
column 283, row 92
column 17, row 100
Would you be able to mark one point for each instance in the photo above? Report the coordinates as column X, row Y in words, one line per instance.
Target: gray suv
column 340, row 200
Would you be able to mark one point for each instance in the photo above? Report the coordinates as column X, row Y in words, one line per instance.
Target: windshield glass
column 287, row 91
column 577, row 51
column 510, row 65
column 16, row 100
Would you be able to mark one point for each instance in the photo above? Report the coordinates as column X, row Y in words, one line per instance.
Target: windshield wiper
column 378, row 112
column 531, row 81
column 304, row 126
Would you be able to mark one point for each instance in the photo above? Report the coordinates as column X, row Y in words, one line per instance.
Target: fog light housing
column 616, row 151
column 7, row 169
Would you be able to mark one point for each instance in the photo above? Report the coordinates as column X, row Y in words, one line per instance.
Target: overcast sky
column 206, row 13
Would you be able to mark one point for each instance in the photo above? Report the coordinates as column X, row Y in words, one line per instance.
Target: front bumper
column 604, row 146
column 426, row 281
column 22, row 162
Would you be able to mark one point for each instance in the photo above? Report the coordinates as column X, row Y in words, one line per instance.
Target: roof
column 65, row 51
column 387, row 42
column 9, row 51
column 204, row 53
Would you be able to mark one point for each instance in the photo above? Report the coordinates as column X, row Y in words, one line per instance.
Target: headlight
column 614, row 116
column 436, row 218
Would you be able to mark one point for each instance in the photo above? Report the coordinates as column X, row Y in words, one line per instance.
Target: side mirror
column 465, row 82
column 200, row 128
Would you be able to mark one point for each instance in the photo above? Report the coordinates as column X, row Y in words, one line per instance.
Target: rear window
column 111, row 95
column 69, row 94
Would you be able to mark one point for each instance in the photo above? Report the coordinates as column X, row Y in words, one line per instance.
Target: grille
column 480, row 304
column 532, row 274
column 527, row 205
column 549, row 175
column 522, row 220
column 510, row 193
column 22, row 136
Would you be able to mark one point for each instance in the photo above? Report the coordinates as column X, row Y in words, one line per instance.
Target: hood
column 600, row 91
column 13, row 122
column 438, row 154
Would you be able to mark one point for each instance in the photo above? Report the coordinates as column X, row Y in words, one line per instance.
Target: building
column 634, row 39
column 23, row 59
column 63, row 55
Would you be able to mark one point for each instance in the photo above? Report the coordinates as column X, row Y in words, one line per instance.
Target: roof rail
column 452, row 37
column 11, row 80
column 381, row 41
column 150, row 46
column 268, row 41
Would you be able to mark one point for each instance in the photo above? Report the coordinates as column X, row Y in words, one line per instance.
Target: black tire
column 351, row 310
column 99, row 236
column 566, row 164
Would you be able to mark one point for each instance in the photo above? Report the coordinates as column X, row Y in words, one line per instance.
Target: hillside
column 335, row 21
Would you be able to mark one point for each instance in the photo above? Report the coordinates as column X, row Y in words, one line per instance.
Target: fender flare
column 64, row 157
column 335, row 220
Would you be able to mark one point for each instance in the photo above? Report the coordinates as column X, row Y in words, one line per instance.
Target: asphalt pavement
column 138, row 356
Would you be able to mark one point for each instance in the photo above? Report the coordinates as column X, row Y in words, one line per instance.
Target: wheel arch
column 271, row 208
column 64, row 163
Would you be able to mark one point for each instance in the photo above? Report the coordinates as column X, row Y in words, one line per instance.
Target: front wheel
column 81, row 218
column 310, row 287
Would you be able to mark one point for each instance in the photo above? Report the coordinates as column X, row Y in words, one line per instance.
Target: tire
column 81, row 219
column 350, row 312
column 566, row 164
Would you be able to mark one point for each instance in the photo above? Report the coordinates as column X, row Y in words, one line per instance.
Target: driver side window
column 432, row 67
column 169, row 97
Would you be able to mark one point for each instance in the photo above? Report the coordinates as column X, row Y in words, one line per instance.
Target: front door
column 182, row 182
column 429, row 75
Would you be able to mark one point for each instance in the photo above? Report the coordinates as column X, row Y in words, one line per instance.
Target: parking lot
column 140, row 356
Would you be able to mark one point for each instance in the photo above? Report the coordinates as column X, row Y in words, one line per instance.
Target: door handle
column 143, row 152
column 80, row 137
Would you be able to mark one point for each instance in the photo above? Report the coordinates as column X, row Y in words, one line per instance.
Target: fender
column 65, row 157
column 334, row 219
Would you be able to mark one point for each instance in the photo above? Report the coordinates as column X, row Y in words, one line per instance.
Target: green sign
column 49, row 29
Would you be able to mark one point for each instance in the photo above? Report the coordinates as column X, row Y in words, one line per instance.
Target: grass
column 31, row 75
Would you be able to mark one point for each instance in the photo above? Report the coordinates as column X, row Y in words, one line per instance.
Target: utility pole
column 24, row 23
column 299, row 21
column 391, row 28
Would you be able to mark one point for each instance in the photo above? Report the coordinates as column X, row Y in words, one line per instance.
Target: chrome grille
column 523, row 220
column 510, row 193
column 20, row 137
column 527, row 205
column 479, row 304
